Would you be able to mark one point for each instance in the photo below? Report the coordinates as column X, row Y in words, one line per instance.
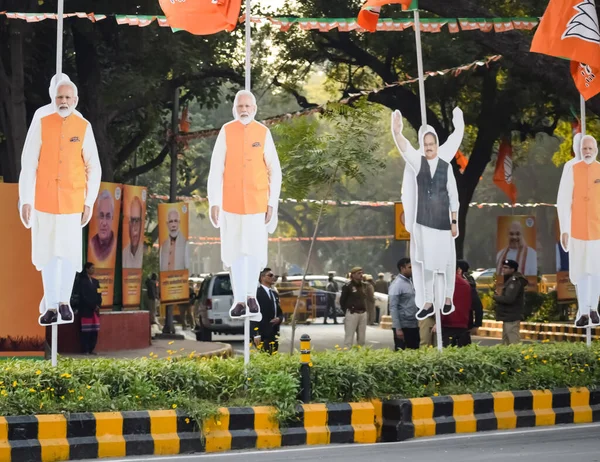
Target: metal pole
column 59, row 59
column 588, row 329
column 248, row 87
column 305, row 390
column 417, row 26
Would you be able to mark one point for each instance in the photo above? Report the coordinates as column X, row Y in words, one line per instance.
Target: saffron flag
column 202, row 17
column 503, row 177
column 461, row 161
column 569, row 29
column 369, row 13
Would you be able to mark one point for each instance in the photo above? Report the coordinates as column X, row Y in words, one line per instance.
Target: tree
column 317, row 160
column 497, row 99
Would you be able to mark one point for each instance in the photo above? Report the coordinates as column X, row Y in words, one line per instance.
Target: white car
column 319, row 284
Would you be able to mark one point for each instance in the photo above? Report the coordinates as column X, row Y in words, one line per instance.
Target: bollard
column 305, row 392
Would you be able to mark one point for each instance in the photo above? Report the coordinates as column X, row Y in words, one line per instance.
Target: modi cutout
column 578, row 207
column 244, row 184
column 58, row 185
column 430, row 197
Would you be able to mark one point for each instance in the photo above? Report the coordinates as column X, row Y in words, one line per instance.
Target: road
column 575, row 443
column 327, row 337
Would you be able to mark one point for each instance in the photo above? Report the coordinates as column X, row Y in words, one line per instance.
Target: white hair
column 589, row 137
column 175, row 211
column 106, row 195
column 238, row 95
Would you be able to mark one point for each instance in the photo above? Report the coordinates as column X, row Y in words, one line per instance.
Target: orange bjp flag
column 461, row 161
column 369, row 13
column 569, row 29
column 202, row 17
column 503, row 177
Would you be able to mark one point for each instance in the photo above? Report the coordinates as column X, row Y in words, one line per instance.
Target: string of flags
column 284, row 24
column 454, row 71
column 479, row 205
column 206, row 240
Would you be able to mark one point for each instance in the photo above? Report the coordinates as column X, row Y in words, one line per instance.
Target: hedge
column 199, row 385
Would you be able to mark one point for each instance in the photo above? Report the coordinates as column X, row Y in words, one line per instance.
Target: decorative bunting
column 479, row 205
column 455, row 71
column 433, row 25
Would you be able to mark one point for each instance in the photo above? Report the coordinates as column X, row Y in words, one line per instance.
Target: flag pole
column 248, row 87
column 417, row 26
column 588, row 329
column 59, row 60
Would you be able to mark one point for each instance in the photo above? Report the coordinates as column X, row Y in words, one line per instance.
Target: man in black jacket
column 89, row 301
column 510, row 302
column 266, row 332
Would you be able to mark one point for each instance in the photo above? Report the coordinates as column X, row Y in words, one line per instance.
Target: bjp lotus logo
column 584, row 24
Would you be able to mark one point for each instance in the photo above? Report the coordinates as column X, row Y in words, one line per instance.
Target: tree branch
column 132, row 173
column 288, row 218
column 132, row 145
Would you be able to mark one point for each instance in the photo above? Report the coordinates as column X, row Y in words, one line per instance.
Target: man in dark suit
column 266, row 332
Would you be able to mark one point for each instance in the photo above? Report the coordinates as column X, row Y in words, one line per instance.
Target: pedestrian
column 186, row 311
column 370, row 290
column 426, row 332
column 476, row 318
column 332, row 290
column 89, row 302
column 266, row 332
column 152, row 300
column 455, row 326
column 381, row 285
column 510, row 301
column 403, row 308
column 354, row 305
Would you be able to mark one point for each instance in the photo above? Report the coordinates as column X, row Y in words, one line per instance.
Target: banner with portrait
column 173, row 232
column 400, row 232
column 102, row 238
column 565, row 290
column 517, row 240
column 134, row 217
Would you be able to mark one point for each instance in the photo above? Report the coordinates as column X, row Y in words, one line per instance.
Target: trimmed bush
column 199, row 386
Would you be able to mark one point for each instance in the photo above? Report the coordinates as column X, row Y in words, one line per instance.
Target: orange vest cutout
column 245, row 179
column 61, row 177
column 202, row 17
column 585, row 211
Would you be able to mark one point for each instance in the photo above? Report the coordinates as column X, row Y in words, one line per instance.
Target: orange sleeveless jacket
column 61, row 178
column 585, row 212
column 245, row 179
column 202, row 17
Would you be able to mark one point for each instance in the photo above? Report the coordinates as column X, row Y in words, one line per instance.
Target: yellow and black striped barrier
column 412, row 418
column 53, row 438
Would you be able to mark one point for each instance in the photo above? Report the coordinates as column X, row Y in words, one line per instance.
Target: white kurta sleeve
column 411, row 156
column 448, row 150
column 452, row 190
column 29, row 162
column 273, row 169
column 564, row 200
column 217, row 167
column 93, row 170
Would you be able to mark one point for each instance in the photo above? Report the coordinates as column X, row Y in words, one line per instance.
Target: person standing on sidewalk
column 404, row 309
column 332, row 290
column 455, row 326
column 510, row 302
column 90, row 300
column 476, row 319
column 354, row 305
column 370, row 290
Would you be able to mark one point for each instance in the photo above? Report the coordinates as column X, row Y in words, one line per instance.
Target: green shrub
column 201, row 386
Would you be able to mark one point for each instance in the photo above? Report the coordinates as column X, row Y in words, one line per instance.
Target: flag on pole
column 503, row 177
column 369, row 13
column 569, row 29
column 202, row 17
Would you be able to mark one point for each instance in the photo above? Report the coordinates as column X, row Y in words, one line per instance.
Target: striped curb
column 51, row 438
column 419, row 417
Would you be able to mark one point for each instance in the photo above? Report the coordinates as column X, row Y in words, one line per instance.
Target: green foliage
column 200, row 386
column 565, row 132
column 548, row 311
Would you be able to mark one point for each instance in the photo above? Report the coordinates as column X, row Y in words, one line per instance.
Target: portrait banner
column 401, row 233
column 134, row 218
column 516, row 240
column 102, row 238
column 173, row 233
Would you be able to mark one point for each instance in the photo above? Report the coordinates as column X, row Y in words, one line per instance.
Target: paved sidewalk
column 164, row 349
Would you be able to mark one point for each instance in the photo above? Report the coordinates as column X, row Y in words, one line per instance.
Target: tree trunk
column 310, row 250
